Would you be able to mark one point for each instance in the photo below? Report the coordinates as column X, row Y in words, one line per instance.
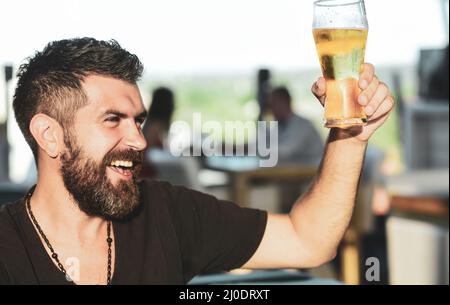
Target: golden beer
column 341, row 52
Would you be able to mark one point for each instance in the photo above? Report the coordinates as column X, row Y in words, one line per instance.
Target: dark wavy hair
column 50, row 82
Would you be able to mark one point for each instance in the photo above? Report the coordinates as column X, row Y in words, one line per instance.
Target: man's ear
column 46, row 131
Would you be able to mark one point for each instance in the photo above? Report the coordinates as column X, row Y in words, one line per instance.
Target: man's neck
column 56, row 210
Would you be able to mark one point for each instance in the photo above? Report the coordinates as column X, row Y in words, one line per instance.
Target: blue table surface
column 262, row 277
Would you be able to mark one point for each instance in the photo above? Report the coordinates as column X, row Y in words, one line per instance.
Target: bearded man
column 89, row 220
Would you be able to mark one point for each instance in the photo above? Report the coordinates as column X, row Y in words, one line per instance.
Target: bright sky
column 198, row 36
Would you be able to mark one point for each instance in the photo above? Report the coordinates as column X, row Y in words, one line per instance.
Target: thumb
column 319, row 90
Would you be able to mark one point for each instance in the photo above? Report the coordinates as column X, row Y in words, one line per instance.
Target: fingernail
column 368, row 110
column 363, row 84
column 363, row 100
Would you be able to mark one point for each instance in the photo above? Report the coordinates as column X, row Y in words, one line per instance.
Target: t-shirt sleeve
column 214, row 235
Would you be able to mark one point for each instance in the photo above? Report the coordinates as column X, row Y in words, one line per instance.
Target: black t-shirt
column 175, row 235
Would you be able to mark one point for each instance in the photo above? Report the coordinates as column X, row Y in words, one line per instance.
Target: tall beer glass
column 340, row 31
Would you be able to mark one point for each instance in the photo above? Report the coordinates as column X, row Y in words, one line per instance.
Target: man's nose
column 135, row 139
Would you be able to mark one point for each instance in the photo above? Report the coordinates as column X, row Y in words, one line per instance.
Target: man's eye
column 113, row 119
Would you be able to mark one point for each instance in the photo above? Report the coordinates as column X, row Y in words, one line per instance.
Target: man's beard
column 93, row 192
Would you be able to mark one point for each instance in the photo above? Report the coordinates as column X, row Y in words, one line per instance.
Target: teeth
column 122, row 163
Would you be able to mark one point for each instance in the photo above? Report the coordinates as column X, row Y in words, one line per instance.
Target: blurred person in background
column 159, row 117
column 298, row 143
column 298, row 140
column 156, row 127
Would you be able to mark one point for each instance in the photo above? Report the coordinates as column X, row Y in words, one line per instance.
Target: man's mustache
column 137, row 157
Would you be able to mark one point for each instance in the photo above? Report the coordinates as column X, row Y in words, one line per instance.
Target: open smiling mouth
column 122, row 167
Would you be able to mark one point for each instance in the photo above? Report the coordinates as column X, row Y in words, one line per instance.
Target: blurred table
column 420, row 192
column 418, row 227
column 415, row 194
column 244, row 170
